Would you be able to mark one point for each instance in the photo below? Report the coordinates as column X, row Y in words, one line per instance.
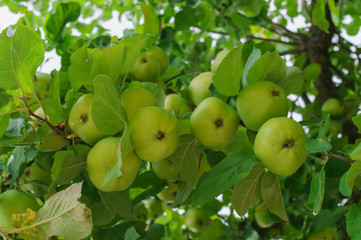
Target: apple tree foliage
column 220, row 192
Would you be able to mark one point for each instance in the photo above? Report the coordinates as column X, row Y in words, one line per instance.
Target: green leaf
column 51, row 102
column 317, row 191
column 318, row 145
column 131, row 234
column 55, row 23
column 27, row 138
column 155, row 231
column 133, row 45
column 186, row 157
column 21, row 53
column 6, row 105
column 109, row 61
column 357, row 122
column 79, row 71
column 111, row 204
column 312, row 71
column 319, row 15
column 68, row 164
column 223, row 176
column 353, row 222
column 270, row 67
column 114, row 233
column 348, row 179
column 14, row 163
column 183, row 192
column 247, row 191
column 151, row 22
column 63, row 215
column 107, row 112
column 272, row 195
column 255, row 55
column 229, row 73
column 293, row 81
column 157, row 92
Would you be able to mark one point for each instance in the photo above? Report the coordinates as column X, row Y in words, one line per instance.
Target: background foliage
column 321, row 63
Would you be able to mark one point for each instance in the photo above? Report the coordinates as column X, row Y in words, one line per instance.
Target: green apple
column 146, row 68
column 154, row 207
column 154, row 133
column 141, row 214
column 102, row 158
column 280, row 145
column 43, row 81
column 165, row 169
column 51, row 142
column 334, row 128
column 198, row 88
column 134, row 98
column 35, row 122
column 327, row 234
column 169, row 193
column 219, row 58
column 81, row 120
column 333, row 106
column 12, row 202
column 196, row 219
column 175, row 103
column 214, row 123
column 259, row 102
column 161, row 57
column 36, row 173
column 262, row 216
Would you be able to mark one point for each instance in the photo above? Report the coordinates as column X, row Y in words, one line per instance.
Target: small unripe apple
column 198, row 88
column 333, row 106
column 102, row 158
column 169, row 193
column 214, row 123
column 262, row 216
column 154, row 207
column 175, row 103
column 161, row 57
column 13, row 201
column 81, row 120
column 134, row 98
column 219, row 58
column 326, row 234
column 165, row 169
column 196, row 219
column 146, row 68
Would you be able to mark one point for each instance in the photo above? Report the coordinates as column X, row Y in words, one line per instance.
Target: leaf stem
column 182, row 74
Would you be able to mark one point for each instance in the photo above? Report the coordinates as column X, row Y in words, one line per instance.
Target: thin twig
column 273, row 40
column 340, row 74
column 281, row 30
column 342, row 158
column 182, row 74
column 292, row 51
column 308, row 13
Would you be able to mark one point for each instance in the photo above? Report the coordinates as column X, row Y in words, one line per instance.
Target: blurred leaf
column 79, row 70
column 112, row 204
column 293, row 81
column 107, row 112
column 109, row 61
column 6, row 105
column 312, row 71
column 114, row 233
column 318, row 145
column 131, row 234
column 348, row 179
column 68, row 164
column 63, row 215
column 21, row 53
column 229, row 73
column 247, row 191
column 317, row 191
column 319, row 15
column 353, row 221
column 56, row 22
column 270, row 67
column 357, row 122
column 183, row 192
column 157, row 92
column 223, row 176
column 14, row 164
column 151, row 22
column 186, row 157
column 155, row 231
column 272, row 195
column 255, row 55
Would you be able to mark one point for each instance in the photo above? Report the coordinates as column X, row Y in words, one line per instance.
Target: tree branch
column 182, row 74
column 273, row 40
column 292, row 51
column 281, row 30
column 342, row 158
